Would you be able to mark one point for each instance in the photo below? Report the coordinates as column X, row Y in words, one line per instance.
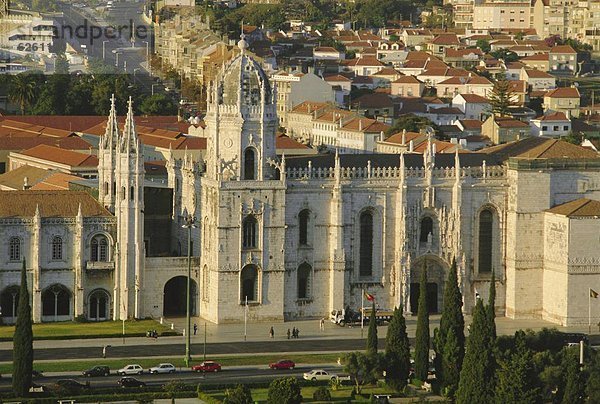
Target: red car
column 282, row 364
column 207, row 366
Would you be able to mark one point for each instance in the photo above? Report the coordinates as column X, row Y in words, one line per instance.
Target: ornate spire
column 242, row 44
column 130, row 140
column 111, row 134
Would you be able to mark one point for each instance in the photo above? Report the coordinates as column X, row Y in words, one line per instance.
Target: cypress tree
column 22, row 342
column 422, row 334
column 575, row 379
column 450, row 341
column 501, row 98
column 397, row 352
column 491, row 309
column 372, row 334
column 477, row 373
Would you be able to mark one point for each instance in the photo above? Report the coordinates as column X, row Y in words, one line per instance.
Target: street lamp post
column 104, row 49
column 148, row 57
column 189, row 224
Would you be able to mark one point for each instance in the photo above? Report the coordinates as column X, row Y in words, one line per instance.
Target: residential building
column 407, row 86
column 496, row 15
column 504, row 129
column 563, row 59
column 554, row 124
column 563, row 99
column 464, row 85
column 473, row 106
column 538, row 80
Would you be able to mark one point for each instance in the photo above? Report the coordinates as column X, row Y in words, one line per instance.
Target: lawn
column 343, row 394
column 70, row 329
column 113, row 364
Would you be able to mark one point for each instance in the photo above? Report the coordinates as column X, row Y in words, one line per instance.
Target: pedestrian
column 322, row 324
column 288, row 333
column 294, row 332
column 271, row 332
column 104, row 352
column 195, row 328
column 297, row 332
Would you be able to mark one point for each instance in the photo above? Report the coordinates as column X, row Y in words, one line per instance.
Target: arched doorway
column 9, row 303
column 436, row 275
column 174, row 297
column 99, row 305
column 56, row 303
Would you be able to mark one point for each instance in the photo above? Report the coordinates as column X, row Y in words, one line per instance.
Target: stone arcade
column 300, row 237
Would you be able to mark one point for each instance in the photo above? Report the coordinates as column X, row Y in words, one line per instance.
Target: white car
column 320, row 374
column 162, row 368
column 130, row 370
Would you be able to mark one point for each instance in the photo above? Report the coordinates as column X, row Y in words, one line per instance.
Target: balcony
column 99, row 265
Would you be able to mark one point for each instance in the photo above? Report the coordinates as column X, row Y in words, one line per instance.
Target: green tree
column 450, row 340
column 501, row 98
column 22, row 90
column 61, row 64
column 22, row 342
column 491, row 307
column 592, row 388
column 372, row 333
column 484, row 45
column 422, row 334
column 411, row 123
column 517, row 379
column 285, row 390
column 574, row 392
column 158, row 104
column 241, row 394
column 362, row 368
column 397, row 352
column 477, row 373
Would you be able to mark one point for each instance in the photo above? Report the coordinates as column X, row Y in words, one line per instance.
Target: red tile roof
column 563, row 92
column 62, row 156
column 582, row 207
column 22, row 143
column 563, row 49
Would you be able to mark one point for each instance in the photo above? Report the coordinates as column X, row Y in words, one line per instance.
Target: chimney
column 26, row 185
column 403, row 137
column 410, row 146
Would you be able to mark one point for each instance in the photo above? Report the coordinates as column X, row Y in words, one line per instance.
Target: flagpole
column 362, row 312
column 589, row 311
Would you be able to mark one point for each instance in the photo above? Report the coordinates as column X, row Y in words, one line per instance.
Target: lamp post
column 189, row 224
column 148, row 57
column 104, row 49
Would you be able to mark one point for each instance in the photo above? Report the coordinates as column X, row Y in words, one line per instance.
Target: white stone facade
column 281, row 239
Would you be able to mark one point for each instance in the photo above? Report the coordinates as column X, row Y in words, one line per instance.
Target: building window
column 14, row 249
column 486, row 222
column 249, row 284
column 57, row 248
column 99, row 247
column 249, row 227
column 426, row 229
column 565, row 127
column 366, row 244
column 98, row 307
column 249, row 164
column 303, row 219
column 131, row 193
column 544, row 128
column 56, row 301
column 304, row 281
column 205, row 283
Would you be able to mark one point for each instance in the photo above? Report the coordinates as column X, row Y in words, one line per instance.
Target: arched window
column 98, row 306
column 304, row 271
column 205, row 284
column 105, row 188
column 131, row 193
column 56, row 301
column 249, row 229
column 99, row 248
column 249, row 284
column 14, row 249
column 9, row 302
column 366, row 244
column 486, row 230
column 303, row 219
column 426, row 228
column 249, row 164
column 57, row 244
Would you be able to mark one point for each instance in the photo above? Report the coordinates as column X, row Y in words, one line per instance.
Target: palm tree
column 22, row 90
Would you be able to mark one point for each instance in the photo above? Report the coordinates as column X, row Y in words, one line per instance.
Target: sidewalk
column 309, row 330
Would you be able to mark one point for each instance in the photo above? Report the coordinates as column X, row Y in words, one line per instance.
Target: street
column 227, row 375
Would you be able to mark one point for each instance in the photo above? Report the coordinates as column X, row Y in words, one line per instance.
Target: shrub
column 241, row 394
column 285, row 390
column 322, row 394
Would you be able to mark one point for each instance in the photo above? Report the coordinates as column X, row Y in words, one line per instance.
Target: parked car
column 207, row 366
column 97, row 371
column 320, row 374
column 36, row 373
column 131, row 370
column 282, row 364
column 130, row 382
column 162, row 368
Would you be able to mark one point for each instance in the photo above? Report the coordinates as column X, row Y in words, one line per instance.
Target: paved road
column 165, row 350
column 227, row 375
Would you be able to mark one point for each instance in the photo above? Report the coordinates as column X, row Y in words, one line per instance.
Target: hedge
column 114, row 335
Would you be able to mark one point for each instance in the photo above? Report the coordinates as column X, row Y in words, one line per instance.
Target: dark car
column 130, row 382
column 97, row 371
column 282, row 364
column 207, row 366
column 37, row 373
